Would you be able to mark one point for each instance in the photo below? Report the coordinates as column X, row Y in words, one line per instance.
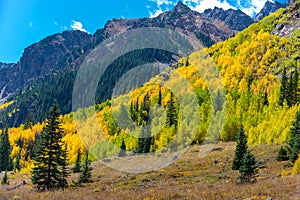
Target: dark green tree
column 77, row 166
column 293, row 145
column 5, row 150
column 50, row 156
column 5, row 179
column 17, row 166
column 295, row 86
column 283, row 88
column 28, row 122
column 159, row 101
column 248, row 168
column 172, row 113
column 122, row 151
column 145, row 137
column 64, row 169
column 241, row 149
column 86, row 170
column 282, row 155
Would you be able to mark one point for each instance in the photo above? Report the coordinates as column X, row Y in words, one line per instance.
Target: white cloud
column 30, row 24
column 158, row 10
column 202, row 5
column 155, row 13
column 256, row 7
column 77, row 26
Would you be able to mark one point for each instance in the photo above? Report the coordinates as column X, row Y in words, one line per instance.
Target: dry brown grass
column 190, row 177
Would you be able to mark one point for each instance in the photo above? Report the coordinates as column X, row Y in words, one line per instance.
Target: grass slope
column 190, row 177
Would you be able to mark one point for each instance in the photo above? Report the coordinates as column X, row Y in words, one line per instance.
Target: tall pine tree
column 86, row 170
column 5, row 150
column 172, row 114
column 248, row 168
column 283, row 88
column 4, row 180
column 241, row 149
column 77, row 166
column 145, row 139
column 122, row 151
column 293, row 145
column 50, row 156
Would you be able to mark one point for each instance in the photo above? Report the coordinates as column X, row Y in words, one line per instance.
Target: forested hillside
column 260, row 75
column 53, row 62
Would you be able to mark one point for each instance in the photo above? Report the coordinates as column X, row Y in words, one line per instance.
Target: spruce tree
column 294, row 141
column 145, row 137
column 86, row 170
column 50, row 156
column 4, row 179
column 17, row 166
column 28, row 122
column 295, row 86
column 159, row 101
column 241, row 149
column 172, row 113
column 122, row 151
column 77, row 166
column 283, row 88
column 64, row 169
column 282, row 155
column 5, row 150
column 248, row 168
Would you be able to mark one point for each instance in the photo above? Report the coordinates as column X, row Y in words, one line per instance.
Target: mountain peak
column 181, row 8
column 269, row 8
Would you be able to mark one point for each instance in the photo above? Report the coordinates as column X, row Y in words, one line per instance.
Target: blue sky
column 23, row 22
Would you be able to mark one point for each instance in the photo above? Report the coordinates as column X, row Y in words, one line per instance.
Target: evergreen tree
column 294, row 141
column 64, row 169
column 172, row 114
column 17, row 166
column 86, row 170
column 159, row 101
column 77, row 166
column 4, row 179
column 122, row 151
column 282, row 155
column 5, row 150
column 28, row 122
column 145, row 137
column 295, row 86
column 248, row 168
column 144, row 118
column 50, row 156
column 283, row 88
column 241, row 149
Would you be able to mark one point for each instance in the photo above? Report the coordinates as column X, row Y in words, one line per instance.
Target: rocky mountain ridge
column 269, row 8
column 66, row 50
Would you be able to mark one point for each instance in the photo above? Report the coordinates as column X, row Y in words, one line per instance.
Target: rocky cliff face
column 181, row 18
column 41, row 59
column 290, row 24
column 269, row 8
column 234, row 19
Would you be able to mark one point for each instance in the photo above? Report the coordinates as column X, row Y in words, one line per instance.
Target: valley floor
column 190, row 177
